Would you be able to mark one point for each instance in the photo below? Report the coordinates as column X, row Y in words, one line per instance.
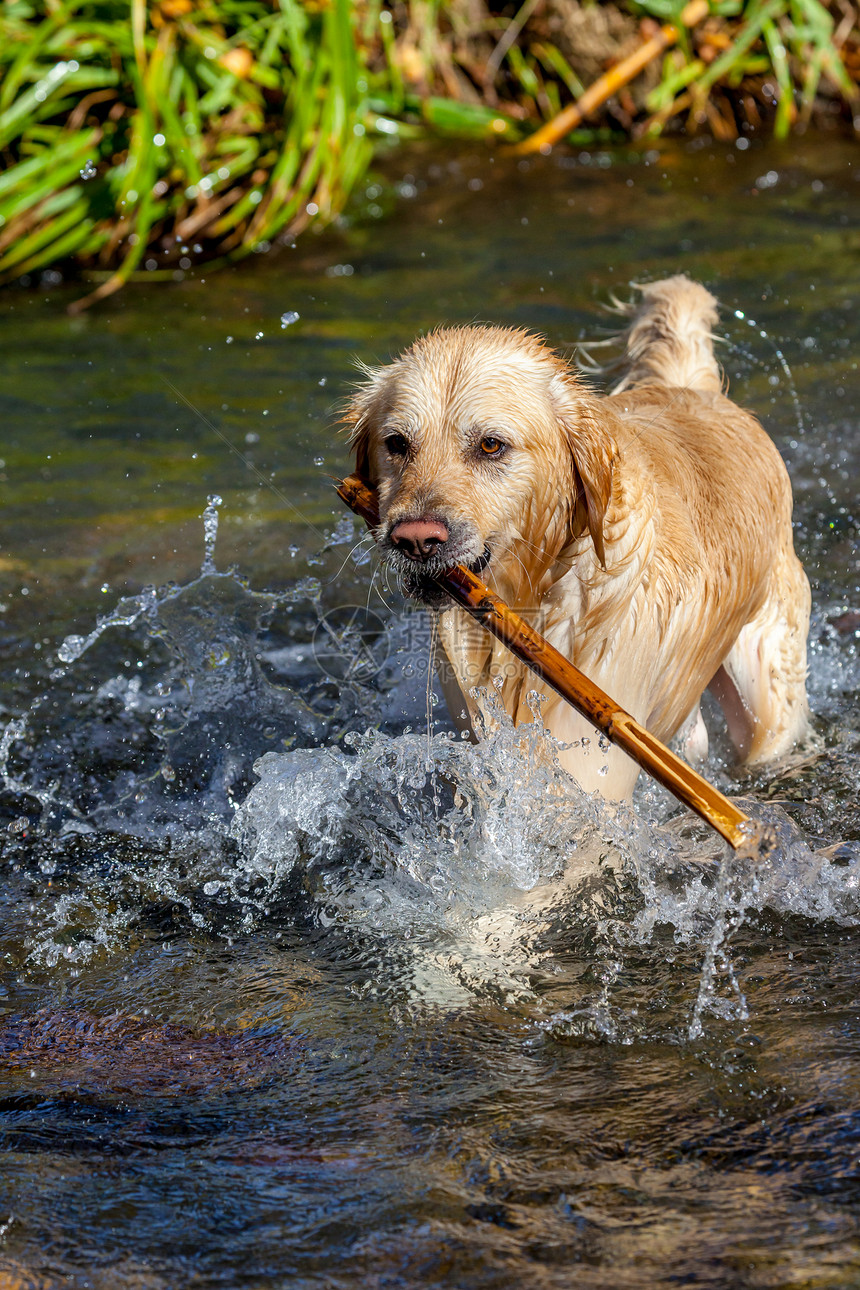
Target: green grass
column 214, row 127
column 139, row 138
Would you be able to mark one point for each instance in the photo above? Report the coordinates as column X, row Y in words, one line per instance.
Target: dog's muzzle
column 423, row 547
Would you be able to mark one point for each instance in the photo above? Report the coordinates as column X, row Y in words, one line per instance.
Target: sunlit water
column 302, row 991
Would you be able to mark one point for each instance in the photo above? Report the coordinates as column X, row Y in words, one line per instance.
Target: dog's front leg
column 460, row 707
column 586, row 754
column 463, row 653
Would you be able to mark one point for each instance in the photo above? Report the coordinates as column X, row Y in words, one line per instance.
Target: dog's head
column 484, row 447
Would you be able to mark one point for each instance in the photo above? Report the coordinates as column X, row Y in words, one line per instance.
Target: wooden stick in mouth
column 473, row 595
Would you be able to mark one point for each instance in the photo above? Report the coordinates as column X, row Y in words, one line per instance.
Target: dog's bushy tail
column 670, row 337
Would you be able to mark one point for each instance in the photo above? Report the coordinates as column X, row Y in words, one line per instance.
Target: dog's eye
column 491, row 446
column 397, row 445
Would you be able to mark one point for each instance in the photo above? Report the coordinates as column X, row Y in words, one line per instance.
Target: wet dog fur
column 646, row 533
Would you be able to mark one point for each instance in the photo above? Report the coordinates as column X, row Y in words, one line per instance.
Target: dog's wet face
column 463, row 440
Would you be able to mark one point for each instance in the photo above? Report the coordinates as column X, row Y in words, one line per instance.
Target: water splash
column 520, row 859
column 732, row 898
column 210, row 533
column 783, row 362
column 179, row 660
column 129, row 611
column 509, row 817
column 189, row 755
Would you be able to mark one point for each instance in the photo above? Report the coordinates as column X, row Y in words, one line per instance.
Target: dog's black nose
column 418, row 539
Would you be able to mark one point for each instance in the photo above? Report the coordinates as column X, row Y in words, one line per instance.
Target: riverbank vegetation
column 142, row 138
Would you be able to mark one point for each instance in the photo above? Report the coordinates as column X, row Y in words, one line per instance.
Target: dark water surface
column 339, row 1021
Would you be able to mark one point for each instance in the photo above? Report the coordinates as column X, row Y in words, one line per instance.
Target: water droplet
column 71, row 648
column 289, row 318
column 89, row 169
column 210, row 533
column 783, row 362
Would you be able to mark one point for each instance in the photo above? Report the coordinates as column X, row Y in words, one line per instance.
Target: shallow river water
column 299, row 989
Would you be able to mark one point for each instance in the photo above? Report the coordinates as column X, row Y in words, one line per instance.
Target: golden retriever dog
column 646, row 533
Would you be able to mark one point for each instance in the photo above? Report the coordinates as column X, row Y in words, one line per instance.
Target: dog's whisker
column 511, row 550
column 370, row 588
column 539, row 551
column 367, row 537
column 383, row 571
column 543, row 553
column 377, row 577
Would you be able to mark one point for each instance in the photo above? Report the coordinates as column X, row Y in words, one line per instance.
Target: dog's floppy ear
column 593, row 451
column 359, row 414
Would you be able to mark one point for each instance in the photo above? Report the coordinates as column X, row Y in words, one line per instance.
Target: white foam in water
column 506, row 823
column 512, row 852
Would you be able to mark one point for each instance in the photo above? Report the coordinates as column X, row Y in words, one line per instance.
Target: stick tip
column 754, row 841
